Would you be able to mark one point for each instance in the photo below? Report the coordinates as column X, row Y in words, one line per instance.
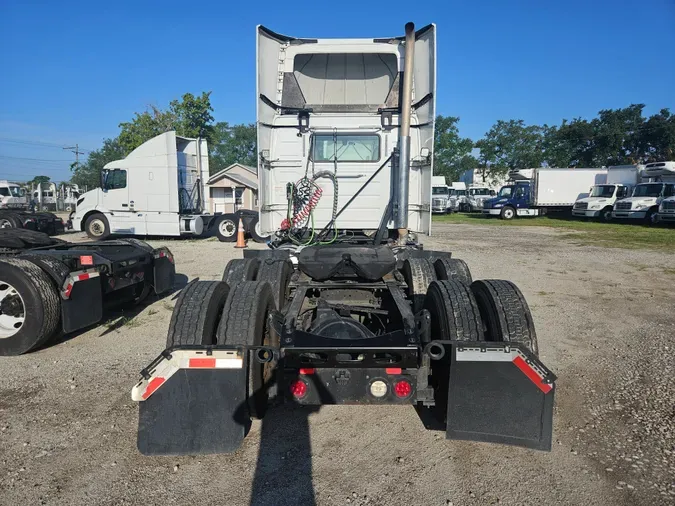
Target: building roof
column 250, row 183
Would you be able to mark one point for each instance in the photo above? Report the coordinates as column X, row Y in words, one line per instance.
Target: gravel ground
column 605, row 324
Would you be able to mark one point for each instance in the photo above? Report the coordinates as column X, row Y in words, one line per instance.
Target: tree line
column 614, row 137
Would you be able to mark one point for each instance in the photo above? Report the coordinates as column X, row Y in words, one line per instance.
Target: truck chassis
column 48, row 286
column 346, row 324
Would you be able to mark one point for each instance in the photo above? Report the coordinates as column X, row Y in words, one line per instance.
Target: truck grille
column 437, row 202
column 624, row 205
column 669, row 204
column 581, row 205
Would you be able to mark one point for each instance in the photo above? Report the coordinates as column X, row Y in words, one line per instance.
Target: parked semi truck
column 644, row 202
column 621, row 179
column 535, row 192
column 475, row 198
column 442, row 200
column 371, row 318
column 48, row 286
column 158, row 189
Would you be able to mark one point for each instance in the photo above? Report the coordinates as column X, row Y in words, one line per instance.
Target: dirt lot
column 606, row 326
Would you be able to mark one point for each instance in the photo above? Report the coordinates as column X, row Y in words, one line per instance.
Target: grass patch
column 124, row 321
column 613, row 235
column 152, row 312
column 669, row 272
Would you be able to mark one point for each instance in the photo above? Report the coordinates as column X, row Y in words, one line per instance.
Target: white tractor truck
column 621, row 179
column 441, row 201
column 158, row 189
column 475, row 197
column 644, row 202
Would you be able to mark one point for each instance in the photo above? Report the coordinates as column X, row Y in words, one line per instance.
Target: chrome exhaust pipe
column 401, row 170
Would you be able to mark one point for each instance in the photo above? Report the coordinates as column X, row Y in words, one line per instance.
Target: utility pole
column 75, row 149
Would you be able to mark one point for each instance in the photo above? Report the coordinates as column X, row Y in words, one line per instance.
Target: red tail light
column 298, row 389
column 402, row 389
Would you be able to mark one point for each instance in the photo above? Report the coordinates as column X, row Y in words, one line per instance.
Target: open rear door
column 500, row 393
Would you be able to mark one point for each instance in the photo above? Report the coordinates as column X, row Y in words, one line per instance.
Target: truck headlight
column 641, row 206
column 497, row 205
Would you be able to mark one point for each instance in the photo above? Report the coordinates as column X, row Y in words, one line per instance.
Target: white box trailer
column 333, row 106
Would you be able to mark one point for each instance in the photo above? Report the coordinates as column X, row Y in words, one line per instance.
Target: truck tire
column 10, row 220
column 505, row 313
column 453, row 315
column 453, row 268
column 195, row 318
column 278, row 274
column 254, row 230
column 418, row 273
column 97, row 227
column 29, row 306
column 226, row 228
column 508, row 213
column 652, row 218
column 240, row 269
column 606, row 214
column 454, row 311
column 244, row 322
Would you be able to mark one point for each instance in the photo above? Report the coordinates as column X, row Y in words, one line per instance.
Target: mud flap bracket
column 499, row 393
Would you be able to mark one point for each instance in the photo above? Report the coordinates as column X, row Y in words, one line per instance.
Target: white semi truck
column 329, row 119
column 644, row 202
column 158, row 189
column 621, row 179
column 12, row 196
column 441, row 196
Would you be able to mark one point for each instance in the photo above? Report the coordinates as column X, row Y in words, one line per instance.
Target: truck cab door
column 522, row 196
column 123, row 219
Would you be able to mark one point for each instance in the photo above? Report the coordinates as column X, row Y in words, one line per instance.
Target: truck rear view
column 329, row 109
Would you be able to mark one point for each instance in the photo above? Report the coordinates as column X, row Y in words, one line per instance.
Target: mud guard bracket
column 499, row 393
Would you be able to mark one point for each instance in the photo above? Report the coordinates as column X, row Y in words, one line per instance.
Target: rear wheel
column 197, row 312
column 508, row 213
column 97, row 226
column 454, row 315
column 226, row 228
column 505, row 313
column 453, row 268
column 10, row 220
column 256, row 232
column 418, row 274
column 29, row 306
column 278, row 274
column 244, row 322
column 240, row 269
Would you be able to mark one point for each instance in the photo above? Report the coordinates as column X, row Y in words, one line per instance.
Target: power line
column 36, row 143
column 35, row 159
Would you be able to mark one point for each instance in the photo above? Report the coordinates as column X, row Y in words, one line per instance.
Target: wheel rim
column 97, row 227
column 4, row 223
column 12, row 311
column 227, row 228
column 258, row 230
column 508, row 214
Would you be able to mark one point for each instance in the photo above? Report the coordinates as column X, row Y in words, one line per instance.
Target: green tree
column 569, row 145
column 452, row 153
column 616, row 136
column 39, row 180
column 189, row 117
column 89, row 173
column 232, row 144
column 657, row 137
column 511, row 145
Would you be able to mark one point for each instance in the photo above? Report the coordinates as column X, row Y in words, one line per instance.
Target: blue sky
column 72, row 71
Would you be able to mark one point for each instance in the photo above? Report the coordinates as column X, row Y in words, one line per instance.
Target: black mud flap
column 195, row 412
column 500, row 394
column 84, row 307
column 164, row 273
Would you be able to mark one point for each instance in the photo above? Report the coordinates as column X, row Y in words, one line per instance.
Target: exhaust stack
column 401, row 175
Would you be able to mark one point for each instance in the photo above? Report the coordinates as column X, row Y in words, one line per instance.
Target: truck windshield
column 506, row 191
column 346, row 147
column 460, row 192
column 4, row 192
column 439, row 190
column 605, row 190
column 648, row 190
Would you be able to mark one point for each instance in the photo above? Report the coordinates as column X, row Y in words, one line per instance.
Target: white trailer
column 621, row 179
column 158, row 189
column 329, row 117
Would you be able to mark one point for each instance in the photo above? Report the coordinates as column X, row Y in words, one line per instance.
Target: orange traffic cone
column 241, row 243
